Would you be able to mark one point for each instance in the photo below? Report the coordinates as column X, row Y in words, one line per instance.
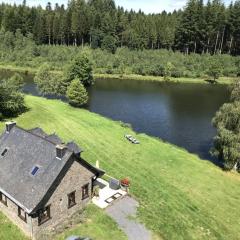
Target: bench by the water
column 132, row 139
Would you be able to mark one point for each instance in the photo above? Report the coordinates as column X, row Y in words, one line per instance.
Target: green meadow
column 181, row 196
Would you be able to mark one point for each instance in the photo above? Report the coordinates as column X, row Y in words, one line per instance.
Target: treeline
column 211, row 28
column 17, row 50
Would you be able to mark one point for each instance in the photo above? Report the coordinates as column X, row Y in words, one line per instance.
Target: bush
column 16, row 81
column 214, row 70
column 176, row 73
column 157, row 70
column 50, row 83
column 43, row 80
column 168, row 71
column 109, row 69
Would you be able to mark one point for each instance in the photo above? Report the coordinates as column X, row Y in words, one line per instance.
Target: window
column 35, row 170
column 3, row 199
column 4, row 152
column 85, row 193
column 22, row 214
column 71, row 199
column 44, row 215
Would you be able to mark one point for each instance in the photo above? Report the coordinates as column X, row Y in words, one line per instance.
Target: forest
column 19, row 51
column 200, row 28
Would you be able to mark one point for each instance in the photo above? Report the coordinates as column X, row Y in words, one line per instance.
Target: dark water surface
column 178, row 113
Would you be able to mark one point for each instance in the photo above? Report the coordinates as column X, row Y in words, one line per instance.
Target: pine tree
column 211, row 28
column 49, row 22
column 77, row 94
column 79, row 21
column 234, row 23
column 56, row 24
column 188, row 28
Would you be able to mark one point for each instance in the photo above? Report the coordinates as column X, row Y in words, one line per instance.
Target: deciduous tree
column 80, row 68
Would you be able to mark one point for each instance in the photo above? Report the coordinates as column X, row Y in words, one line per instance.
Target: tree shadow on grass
column 7, row 116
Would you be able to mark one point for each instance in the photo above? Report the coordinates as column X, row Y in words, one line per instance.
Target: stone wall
column 11, row 211
column 76, row 177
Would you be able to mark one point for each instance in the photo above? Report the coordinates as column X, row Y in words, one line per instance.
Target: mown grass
column 94, row 223
column 181, row 196
column 8, row 231
column 221, row 80
column 97, row 225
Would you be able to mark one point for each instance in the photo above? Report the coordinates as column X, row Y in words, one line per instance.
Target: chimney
column 60, row 151
column 9, row 126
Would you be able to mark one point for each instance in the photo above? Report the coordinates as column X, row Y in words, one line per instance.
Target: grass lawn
column 181, row 196
column 95, row 224
column 98, row 225
column 8, row 231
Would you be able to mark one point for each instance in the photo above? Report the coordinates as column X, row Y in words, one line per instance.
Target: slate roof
column 25, row 150
column 74, row 147
column 54, row 138
column 38, row 131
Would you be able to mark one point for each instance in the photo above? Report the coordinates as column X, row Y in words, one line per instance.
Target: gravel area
column 124, row 213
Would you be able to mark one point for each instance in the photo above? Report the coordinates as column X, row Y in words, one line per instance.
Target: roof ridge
column 36, row 135
column 52, row 134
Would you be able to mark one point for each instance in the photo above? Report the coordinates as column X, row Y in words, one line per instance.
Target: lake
column 178, row 113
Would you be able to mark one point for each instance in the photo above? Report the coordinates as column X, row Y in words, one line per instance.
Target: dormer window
column 4, row 152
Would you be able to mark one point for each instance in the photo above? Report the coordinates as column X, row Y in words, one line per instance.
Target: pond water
column 178, row 113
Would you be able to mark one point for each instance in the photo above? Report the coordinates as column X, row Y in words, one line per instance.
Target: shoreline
column 132, row 77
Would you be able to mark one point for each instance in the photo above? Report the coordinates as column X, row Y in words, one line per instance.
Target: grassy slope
column 181, row 196
column 98, row 225
column 8, row 231
column 222, row 80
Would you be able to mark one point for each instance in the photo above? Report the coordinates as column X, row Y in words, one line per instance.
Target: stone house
column 42, row 181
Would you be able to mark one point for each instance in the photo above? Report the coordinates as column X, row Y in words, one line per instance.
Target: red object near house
column 125, row 182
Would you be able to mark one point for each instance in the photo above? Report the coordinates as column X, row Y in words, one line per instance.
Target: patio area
column 107, row 195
